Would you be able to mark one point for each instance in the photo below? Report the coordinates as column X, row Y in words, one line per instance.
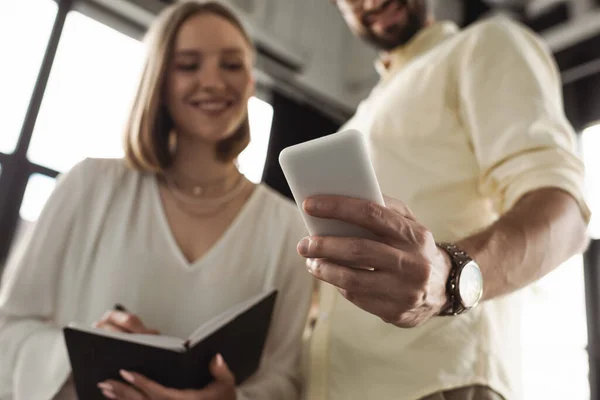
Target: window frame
column 591, row 268
column 16, row 168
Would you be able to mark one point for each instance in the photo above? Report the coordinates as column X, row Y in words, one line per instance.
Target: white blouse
column 103, row 238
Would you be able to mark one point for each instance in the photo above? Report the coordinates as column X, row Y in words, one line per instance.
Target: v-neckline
column 221, row 241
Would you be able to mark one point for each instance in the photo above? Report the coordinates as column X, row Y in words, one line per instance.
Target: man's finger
column 378, row 219
column 354, row 280
column 112, row 389
column 151, row 389
column 353, row 252
column 399, row 207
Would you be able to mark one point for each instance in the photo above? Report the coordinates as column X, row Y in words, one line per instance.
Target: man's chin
column 394, row 37
column 386, row 43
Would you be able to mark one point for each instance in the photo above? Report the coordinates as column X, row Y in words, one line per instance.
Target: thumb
column 220, row 370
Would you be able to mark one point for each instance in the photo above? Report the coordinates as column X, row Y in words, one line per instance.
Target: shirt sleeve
column 510, row 96
column 280, row 374
column 34, row 362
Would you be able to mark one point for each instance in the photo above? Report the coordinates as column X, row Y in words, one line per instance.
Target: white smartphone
column 337, row 164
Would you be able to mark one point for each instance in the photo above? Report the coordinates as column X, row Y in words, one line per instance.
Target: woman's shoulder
column 277, row 201
column 93, row 176
column 94, row 172
column 93, row 167
column 280, row 209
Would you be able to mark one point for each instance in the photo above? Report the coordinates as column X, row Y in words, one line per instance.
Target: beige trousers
column 466, row 393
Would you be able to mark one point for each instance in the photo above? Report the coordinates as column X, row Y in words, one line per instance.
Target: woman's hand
column 142, row 388
column 123, row 321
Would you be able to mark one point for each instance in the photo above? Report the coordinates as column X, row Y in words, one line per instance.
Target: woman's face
column 209, row 78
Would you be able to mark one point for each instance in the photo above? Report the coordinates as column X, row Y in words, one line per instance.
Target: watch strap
column 459, row 259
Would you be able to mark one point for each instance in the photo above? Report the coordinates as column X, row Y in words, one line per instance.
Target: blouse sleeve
column 33, row 357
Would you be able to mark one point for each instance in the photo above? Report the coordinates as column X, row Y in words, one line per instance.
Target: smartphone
column 337, row 164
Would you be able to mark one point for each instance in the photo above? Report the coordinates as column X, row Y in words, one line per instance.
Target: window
column 252, row 159
column 89, row 93
column 554, row 336
column 39, row 188
column 23, row 39
column 590, row 143
column 555, row 359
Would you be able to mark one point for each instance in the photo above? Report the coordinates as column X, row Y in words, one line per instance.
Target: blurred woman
column 174, row 232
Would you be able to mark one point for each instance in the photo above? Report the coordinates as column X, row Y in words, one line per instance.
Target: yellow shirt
column 460, row 126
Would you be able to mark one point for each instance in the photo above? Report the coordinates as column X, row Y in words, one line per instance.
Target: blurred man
column 467, row 131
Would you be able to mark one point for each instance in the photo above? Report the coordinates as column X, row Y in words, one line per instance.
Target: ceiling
column 572, row 30
column 306, row 49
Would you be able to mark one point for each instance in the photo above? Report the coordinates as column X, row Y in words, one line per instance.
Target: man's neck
column 385, row 55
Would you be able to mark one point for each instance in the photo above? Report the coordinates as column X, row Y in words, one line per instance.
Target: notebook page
column 160, row 341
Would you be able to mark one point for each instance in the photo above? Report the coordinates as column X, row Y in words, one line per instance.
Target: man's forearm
column 544, row 229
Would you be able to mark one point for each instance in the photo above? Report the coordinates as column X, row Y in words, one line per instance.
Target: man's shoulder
column 494, row 40
column 493, row 23
column 496, row 30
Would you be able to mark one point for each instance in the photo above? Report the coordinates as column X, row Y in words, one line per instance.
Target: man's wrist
column 464, row 286
column 444, row 269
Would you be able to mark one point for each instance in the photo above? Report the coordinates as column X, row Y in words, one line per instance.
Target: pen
column 120, row 307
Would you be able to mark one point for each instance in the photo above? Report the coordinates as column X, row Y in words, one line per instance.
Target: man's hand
column 142, row 388
column 401, row 277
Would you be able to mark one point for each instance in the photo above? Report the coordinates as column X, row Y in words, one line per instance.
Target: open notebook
column 239, row 334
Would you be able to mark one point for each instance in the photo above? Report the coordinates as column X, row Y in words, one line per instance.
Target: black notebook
column 239, row 334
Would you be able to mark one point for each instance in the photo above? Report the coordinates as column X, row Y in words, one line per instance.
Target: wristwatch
column 465, row 283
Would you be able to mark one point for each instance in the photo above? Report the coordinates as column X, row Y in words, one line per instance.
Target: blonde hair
column 147, row 132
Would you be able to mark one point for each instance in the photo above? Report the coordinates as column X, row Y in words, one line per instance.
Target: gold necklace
column 201, row 206
column 198, row 189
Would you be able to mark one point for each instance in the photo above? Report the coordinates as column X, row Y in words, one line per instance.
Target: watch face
column 470, row 285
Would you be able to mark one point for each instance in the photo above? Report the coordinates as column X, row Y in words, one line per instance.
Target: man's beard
column 401, row 33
